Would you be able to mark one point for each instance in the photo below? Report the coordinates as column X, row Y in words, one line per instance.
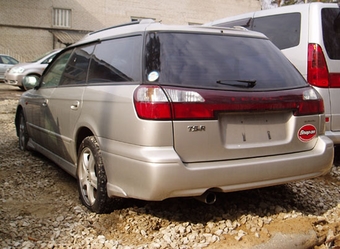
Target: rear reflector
column 171, row 103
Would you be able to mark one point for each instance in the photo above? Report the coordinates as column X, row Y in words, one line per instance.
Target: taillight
column 171, row 103
column 317, row 71
column 311, row 103
column 152, row 103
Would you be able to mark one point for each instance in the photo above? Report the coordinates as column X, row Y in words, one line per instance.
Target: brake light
column 317, row 71
column 170, row 103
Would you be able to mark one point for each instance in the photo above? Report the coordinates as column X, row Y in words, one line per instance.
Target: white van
column 309, row 36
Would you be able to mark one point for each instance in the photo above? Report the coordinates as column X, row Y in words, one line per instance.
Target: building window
column 62, row 17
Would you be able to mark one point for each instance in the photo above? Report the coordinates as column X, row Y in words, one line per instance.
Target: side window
column 8, row 60
column 77, row 66
column 331, row 35
column 117, row 60
column 283, row 30
column 53, row 75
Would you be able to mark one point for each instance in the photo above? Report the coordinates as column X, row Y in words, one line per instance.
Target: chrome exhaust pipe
column 207, row 197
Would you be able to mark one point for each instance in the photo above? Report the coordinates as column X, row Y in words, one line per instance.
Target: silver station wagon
column 151, row 111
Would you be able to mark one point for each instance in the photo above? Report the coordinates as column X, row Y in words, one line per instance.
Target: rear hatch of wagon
column 228, row 96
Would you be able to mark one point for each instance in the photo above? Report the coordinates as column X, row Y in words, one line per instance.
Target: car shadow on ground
column 262, row 202
column 257, row 202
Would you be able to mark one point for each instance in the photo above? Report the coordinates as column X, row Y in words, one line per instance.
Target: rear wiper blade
column 238, row 83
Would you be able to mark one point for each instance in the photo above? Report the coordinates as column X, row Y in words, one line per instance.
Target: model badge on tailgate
column 193, row 128
column 306, row 133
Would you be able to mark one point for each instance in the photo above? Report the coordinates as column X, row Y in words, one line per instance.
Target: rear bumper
column 158, row 173
column 334, row 136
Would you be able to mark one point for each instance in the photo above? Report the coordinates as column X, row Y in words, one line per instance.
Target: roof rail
column 142, row 21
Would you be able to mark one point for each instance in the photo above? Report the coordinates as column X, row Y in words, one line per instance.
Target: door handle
column 44, row 103
column 75, row 105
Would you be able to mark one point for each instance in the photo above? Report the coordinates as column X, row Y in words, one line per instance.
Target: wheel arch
column 82, row 133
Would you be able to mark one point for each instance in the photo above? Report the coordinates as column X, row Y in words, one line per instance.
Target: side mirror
column 30, row 82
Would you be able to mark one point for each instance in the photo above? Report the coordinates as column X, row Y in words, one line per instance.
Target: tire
column 22, row 134
column 91, row 177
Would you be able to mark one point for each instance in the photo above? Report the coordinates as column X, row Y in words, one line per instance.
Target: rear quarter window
column 117, row 60
column 331, row 36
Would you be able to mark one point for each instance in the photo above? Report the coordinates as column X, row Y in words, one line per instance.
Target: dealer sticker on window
column 306, row 133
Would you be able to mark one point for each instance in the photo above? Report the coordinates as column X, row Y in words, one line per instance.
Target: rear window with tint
column 331, row 32
column 218, row 61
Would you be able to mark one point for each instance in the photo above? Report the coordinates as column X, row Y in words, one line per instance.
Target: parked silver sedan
column 151, row 111
column 6, row 62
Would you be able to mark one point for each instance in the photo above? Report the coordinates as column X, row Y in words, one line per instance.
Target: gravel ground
column 40, row 208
